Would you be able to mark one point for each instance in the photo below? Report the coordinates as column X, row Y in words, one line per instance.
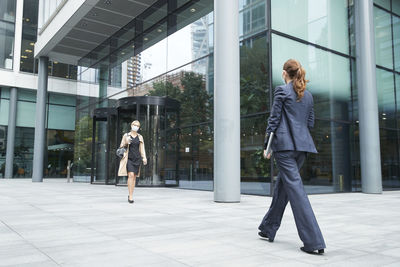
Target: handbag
column 120, row 152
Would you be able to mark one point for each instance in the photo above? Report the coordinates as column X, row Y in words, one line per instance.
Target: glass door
column 100, row 162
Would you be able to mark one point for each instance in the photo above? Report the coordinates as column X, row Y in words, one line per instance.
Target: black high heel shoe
column 265, row 236
column 130, row 201
column 313, row 252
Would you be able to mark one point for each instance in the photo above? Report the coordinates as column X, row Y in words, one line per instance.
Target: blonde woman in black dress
column 133, row 157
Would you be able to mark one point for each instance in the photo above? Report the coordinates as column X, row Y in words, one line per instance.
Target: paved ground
column 59, row 224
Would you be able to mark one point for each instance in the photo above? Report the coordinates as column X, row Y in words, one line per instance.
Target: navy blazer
column 290, row 120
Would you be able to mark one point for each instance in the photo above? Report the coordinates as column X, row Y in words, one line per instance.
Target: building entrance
column 159, row 119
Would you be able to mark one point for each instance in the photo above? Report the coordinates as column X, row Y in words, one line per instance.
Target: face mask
column 135, row 128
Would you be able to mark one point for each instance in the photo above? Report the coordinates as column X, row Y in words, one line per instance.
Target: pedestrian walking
column 133, row 157
column 291, row 117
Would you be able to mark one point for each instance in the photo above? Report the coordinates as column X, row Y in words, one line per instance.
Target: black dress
column 134, row 157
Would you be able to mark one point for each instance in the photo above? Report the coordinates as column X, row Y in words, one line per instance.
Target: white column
column 226, row 101
column 18, row 35
column 370, row 157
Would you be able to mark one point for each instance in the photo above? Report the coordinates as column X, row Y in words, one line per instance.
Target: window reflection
column 323, row 22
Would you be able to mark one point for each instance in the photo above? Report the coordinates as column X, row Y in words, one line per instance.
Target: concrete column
column 12, row 118
column 371, row 175
column 40, row 122
column 226, row 101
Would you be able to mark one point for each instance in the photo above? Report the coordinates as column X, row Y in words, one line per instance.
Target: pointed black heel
column 265, row 236
column 130, row 201
column 313, row 252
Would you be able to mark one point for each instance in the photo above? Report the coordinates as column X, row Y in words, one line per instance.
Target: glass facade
column 172, row 54
column 169, row 53
column 7, row 28
column 387, row 52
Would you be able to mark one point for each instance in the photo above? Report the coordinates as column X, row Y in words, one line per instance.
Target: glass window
column 61, row 117
column 252, row 17
column 60, row 149
column 26, row 114
column 254, row 82
column 383, row 3
column 27, row 95
column 7, row 10
column 323, row 22
column 328, row 73
column 189, row 43
column 4, row 107
column 396, row 42
column 383, row 38
column 389, row 158
column 397, row 76
column 255, row 170
column 396, row 7
column 386, row 98
column 3, row 149
column 29, row 35
column 6, row 45
column 60, row 70
column 23, row 151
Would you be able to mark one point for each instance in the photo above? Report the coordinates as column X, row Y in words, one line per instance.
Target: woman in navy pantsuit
column 292, row 116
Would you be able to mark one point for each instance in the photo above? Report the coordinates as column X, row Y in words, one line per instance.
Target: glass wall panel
column 396, row 7
column 254, row 73
column 3, row 150
column 396, row 42
column 61, row 117
column 323, row 22
column 252, row 17
column 4, row 107
column 389, row 158
column 383, row 3
column 332, row 97
column 383, row 38
column 7, row 10
column 26, row 114
column 329, row 170
column 29, row 35
column 6, row 44
column 60, row 146
column 255, row 170
column 386, row 98
column 23, row 151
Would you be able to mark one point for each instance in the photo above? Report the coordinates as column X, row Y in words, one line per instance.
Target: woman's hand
column 265, row 154
column 144, row 161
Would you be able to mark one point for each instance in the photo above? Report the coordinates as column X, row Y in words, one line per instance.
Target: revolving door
column 159, row 119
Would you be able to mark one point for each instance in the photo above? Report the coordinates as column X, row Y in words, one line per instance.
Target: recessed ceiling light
column 145, row 38
column 55, row 62
column 24, row 56
column 32, row 44
column 123, row 53
column 28, row 51
column 192, row 10
column 27, row 19
column 84, row 24
column 108, row 2
column 133, row 46
column 159, row 30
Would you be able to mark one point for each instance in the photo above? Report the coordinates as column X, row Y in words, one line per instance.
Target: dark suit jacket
column 291, row 120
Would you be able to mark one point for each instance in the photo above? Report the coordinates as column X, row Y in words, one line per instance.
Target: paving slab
column 55, row 223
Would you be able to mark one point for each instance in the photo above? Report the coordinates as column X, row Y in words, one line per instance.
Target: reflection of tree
column 83, row 145
column 194, row 99
column 253, row 77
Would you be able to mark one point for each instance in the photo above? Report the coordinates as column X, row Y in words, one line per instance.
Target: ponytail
column 298, row 74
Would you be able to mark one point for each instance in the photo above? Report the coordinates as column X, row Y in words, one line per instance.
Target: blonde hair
column 135, row 121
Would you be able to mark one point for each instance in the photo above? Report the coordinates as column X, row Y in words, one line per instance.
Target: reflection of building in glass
column 133, row 69
column 199, row 30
